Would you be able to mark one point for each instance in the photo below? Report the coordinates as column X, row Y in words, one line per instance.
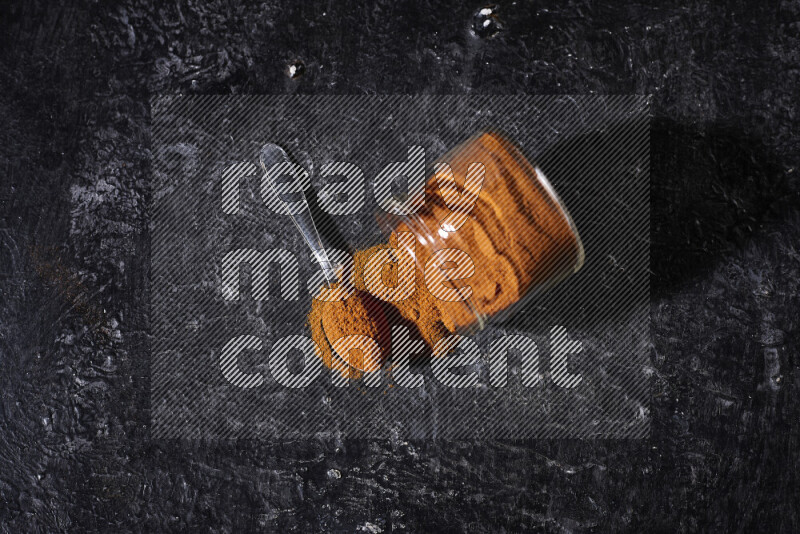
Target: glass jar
column 496, row 251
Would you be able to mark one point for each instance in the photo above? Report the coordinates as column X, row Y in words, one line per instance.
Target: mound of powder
column 332, row 324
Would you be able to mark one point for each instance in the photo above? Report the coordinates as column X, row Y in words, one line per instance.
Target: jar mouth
column 433, row 240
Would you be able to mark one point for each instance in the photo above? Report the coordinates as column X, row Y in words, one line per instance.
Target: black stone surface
column 74, row 170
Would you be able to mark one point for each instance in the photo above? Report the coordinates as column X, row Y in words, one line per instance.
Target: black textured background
column 74, row 371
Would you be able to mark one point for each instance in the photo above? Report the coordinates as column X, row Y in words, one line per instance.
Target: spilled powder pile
column 363, row 314
column 359, row 314
column 517, row 235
